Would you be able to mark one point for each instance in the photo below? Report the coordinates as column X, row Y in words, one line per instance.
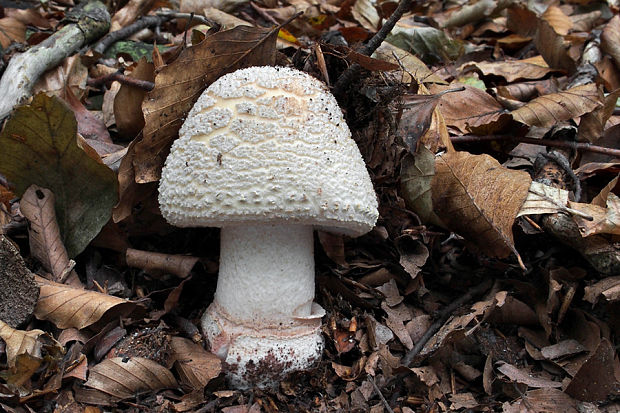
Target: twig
column 378, row 390
column 121, row 78
column 443, row 316
column 577, row 146
column 348, row 75
column 178, row 15
column 125, row 32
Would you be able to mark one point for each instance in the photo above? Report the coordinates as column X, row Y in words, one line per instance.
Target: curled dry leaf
column 552, row 47
column 68, row 307
column 543, row 199
column 559, row 21
column 195, row 366
column 479, row 199
column 610, row 39
column 128, row 101
column 37, row 205
column 511, row 70
column 522, row 376
column 608, row 288
column 605, row 220
column 178, row 85
column 23, row 342
column 121, row 378
column 548, row 110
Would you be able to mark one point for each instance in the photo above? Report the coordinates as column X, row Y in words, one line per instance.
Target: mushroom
column 266, row 155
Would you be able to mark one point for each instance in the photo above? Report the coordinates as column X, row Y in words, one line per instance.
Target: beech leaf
column 479, row 199
column 39, row 146
column 37, row 205
column 68, row 307
column 122, row 378
column 179, row 84
column 195, row 366
column 550, row 109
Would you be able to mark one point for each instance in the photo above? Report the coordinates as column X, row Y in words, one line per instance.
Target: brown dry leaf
column 610, row 39
column 129, row 13
column 71, row 73
column 511, row 70
column 543, row 199
column 90, row 126
column 548, row 110
column 68, row 307
column 365, row 13
column 559, row 21
column 479, row 199
column 609, row 288
column 128, row 101
column 196, row 366
column 156, row 263
column 562, row 349
column 553, row 48
column 606, row 220
column 416, row 118
column 123, row 378
column 396, row 318
column 414, row 70
column 592, row 124
column 416, row 175
column 179, row 84
column 542, row 401
column 471, row 108
column 20, row 342
column 595, row 379
column 521, row 20
column 11, row 30
column 37, row 205
column 526, row 377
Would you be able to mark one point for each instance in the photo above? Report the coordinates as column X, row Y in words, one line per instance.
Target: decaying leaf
column 68, row 307
column 124, row 378
column 128, row 101
column 39, row 146
column 608, row 288
column 417, row 173
column 595, row 380
column 21, row 342
column 179, row 84
column 37, row 205
column 542, row 401
column 414, row 70
column 543, row 199
column 526, row 377
column 548, row 110
column 477, row 198
column 610, row 39
column 605, row 220
column 511, row 70
column 195, row 366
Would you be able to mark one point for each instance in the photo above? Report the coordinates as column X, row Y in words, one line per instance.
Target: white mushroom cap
column 267, row 144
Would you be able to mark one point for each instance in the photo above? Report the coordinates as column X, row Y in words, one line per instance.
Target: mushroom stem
column 262, row 321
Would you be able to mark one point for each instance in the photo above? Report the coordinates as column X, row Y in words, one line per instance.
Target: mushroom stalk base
column 263, row 322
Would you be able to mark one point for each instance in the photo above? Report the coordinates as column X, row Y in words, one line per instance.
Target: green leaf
column 39, row 146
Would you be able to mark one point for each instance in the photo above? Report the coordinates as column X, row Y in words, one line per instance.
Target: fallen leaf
column 559, row 21
column 11, row 30
column 610, row 39
column 595, row 380
column 543, row 199
column 89, row 125
column 479, row 199
column 68, row 307
column 553, row 47
column 511, row 70
column 417, row 172
column 20, row 342
column 195, row 366
column 605, row 220
column 546, row 111
column 608, row 287
column 523, row 376
column 37, row 205
column 414, row 70
column 124, row 378
column 39, row 147
column 179, row 84
column 542, row 401
column 128, row 101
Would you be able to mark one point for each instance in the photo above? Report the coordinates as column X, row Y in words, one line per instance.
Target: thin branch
column 577, row 146
column 378, row 390
column 348, row 75
column 123, row 79
column 125, row 32
column 443, row 316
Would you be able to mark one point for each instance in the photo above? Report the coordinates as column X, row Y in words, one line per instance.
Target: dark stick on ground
column 442, row 317
column 123, row 79
column 348, row 75
column 577, row 146
column 125, row 32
